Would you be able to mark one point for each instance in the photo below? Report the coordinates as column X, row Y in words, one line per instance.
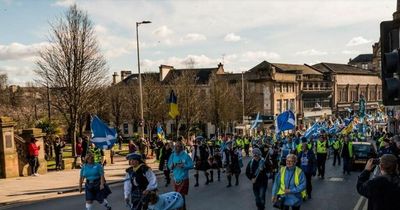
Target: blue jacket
column 294, row 197
column 308, row 163
column 180, row 174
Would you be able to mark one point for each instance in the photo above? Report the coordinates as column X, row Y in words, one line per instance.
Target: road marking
column 336, row 179
column 358, row 203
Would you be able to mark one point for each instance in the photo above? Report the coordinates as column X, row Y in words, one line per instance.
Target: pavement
column 56, row 184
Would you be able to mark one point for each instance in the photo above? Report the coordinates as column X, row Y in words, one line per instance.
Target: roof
column 362, row 58
column 342, row 69
column 295, row 67
column 202, row 75
column 135, row 76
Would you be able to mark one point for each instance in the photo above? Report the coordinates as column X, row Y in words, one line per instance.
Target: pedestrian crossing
column 362, row 204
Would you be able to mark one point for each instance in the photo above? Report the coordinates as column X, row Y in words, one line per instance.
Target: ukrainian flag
column 173, row 105
column 348, row 129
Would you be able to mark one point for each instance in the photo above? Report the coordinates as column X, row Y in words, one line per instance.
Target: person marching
column 214, row 160
column 200, row 154
column 180, row 163
column 308, row 164
column 246, row 145
column 231, row 160
column 93, row 173
column 336, row 145
column 289, row 185
column 346, row 153
column 256, row 171
column 98, row 154
column 139, row 181
column 165, row 153
column 322, row 151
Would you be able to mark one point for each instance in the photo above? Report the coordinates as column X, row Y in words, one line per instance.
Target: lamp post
column 140, row 77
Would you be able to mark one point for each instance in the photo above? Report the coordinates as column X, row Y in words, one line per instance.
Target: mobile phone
column 376, row 161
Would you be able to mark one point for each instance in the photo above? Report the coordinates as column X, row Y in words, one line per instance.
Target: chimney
column 164, row 70
column 125, row 74
column 115, row 78
column 220, row 69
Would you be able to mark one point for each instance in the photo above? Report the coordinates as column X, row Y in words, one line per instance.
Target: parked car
column 362, row 152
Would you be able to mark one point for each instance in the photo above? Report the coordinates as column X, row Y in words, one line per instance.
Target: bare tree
column 224, row 102
column 154, row 101
column 72, row 66
column 189, row 100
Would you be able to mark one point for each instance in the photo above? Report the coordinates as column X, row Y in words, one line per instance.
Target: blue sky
column 238, row 33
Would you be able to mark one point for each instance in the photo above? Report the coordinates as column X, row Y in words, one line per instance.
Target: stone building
column 349, row 83
column 363, row 61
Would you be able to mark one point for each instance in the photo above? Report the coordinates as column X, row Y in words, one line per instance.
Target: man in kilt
column 200, row 154
column 231, row 158
column 215, row 159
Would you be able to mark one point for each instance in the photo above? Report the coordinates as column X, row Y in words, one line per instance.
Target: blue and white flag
column 285, row 121
column 311, row 130
column 102, row 136
column 256, row 121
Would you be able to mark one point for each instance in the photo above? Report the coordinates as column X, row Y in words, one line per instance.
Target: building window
column 342, row 95
column 379, row 94
column 292, row 107
column 354, row 96
column 279, row 105
column 284, row 88
column 372, row 95
column 278, row 88
column 285, row 105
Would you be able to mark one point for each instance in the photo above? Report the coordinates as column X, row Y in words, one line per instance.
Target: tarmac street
column 335, row 192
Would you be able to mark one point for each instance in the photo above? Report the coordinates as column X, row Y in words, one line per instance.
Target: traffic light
column 390, row 63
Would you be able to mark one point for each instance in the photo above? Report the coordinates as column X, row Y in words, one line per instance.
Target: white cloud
column 163, row 31
column 311, row 52
column 16, row 51
column 18, row 75
column 231, row 37
column 64, row 3
column 259, row 56
column 194, row 37
column 359, row 40
column 350, row 52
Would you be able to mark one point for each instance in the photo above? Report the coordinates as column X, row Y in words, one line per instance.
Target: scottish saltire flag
column 160, row 132
column 311, row 130
column 173, row 105
column 285, row 121
column 102, row 136
column 256, row 122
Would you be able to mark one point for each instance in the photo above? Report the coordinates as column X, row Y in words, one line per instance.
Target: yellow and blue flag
column 173, row 105
column 348, row 129
column 160, row 132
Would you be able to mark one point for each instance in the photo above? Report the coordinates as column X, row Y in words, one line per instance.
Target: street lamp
column 140, row 76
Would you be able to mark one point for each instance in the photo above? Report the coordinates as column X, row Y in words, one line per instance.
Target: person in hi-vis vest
column 322, row 151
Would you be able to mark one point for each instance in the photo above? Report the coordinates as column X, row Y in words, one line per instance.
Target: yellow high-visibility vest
column 321, row 147
column 297, row 172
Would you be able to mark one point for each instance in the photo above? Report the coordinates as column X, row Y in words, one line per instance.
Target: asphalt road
column 335, row 192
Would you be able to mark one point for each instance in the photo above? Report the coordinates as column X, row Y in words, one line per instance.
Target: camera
column 376, row 161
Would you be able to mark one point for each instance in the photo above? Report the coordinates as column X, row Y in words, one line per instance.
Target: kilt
column 202, row 165
column 182, row 187
column 93, row 192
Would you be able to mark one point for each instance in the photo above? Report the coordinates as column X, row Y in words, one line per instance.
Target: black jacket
column 262, row 178
column 382, row 192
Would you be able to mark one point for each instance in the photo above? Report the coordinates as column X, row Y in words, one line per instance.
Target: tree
column 223, row 102
column 189, row 101
column 72, row 66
